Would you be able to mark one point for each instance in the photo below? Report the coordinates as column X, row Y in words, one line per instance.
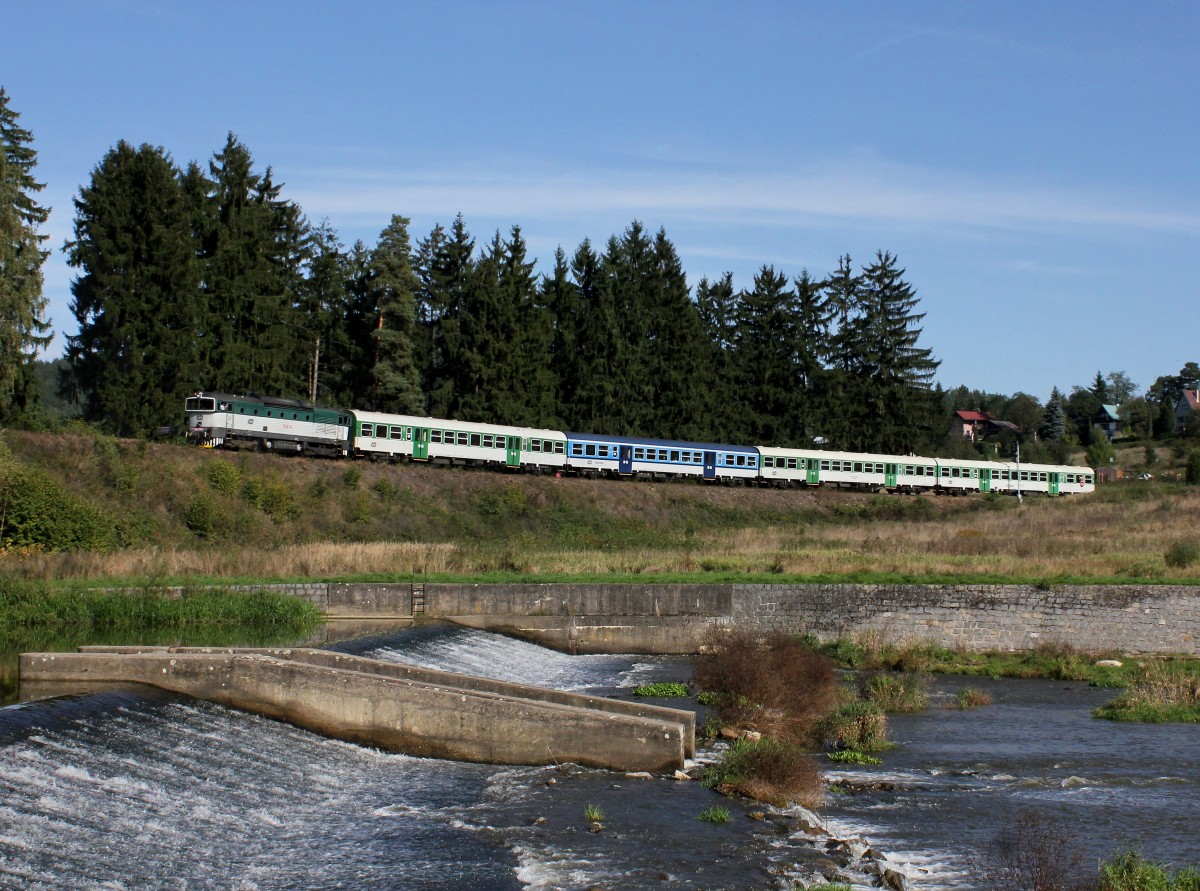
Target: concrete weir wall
column 674, row 618
column 395, row 707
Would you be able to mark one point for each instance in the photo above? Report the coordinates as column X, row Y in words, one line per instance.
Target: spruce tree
column 716, row 302
column 135, row 357
column 767, row 347
column 844, row 392
column 253, row 255
column 446, row 285
column 897, row 373
column 1054, row 420
column 560, row 297
column 395, row 379
column 595, row 405
column 23, row 327
column 814, row 314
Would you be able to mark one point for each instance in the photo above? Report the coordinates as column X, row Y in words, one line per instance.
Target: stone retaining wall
column 673, row 618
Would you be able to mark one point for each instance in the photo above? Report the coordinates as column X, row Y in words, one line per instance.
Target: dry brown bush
column 770, row 682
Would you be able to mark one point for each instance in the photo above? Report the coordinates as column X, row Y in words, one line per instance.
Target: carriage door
column 710, row 465
column 985, row 479
column 889, row 476
column 625, row 459
column 1054, row 479
column 813, row 476
column 420, row 443
column 514, row 451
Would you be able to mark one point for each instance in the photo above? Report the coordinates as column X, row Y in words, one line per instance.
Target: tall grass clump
column 768, row 770
column 771, row 682
column 894, row 692
column 859, row 726
column 1160, row 692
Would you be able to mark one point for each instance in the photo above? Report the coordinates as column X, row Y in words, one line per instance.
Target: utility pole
column 316, row 365
column 1018, row 444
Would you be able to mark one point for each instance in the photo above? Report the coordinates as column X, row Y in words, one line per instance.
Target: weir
column 391, row 706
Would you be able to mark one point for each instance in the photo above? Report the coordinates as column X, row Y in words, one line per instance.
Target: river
column 135, row 789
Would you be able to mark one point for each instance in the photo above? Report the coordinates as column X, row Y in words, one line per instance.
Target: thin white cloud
column 871, row 192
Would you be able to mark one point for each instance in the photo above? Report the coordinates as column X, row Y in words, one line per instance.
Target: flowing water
column 958, row 779
column 133, row 789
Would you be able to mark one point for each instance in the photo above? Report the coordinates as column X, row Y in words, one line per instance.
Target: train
column 222, row 420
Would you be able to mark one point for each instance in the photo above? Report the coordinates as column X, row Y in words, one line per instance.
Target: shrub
column 385, row 489
column 861, row 726
column 351, row 477
column 893, row 692
column 715, row 814
column 224, row 477
column 202, row 515
column 36, row 511
column 772, row 681
column 1036, row 854
column 1183, row 553
column 767, row 770
column 1191, row 471
column 970, row 697
column 593, row 814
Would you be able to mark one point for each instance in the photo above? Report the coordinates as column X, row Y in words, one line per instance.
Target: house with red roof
column 976, row 426
column 1188, row 405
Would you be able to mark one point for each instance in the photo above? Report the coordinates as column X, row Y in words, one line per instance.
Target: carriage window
column 590, row 449
column 639, row 454
column 435, row 435
column 576, row 448
column 368, row 430
column 537, row 445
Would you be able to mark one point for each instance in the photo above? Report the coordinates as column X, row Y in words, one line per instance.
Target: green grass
column 715, row 814
column 1130, row 871
column 57, row 609
column 593, row 814
column 1163, row 691
column 849, row 756
column 662, row 690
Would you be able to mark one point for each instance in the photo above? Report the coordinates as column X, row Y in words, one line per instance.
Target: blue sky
column 1033, row 165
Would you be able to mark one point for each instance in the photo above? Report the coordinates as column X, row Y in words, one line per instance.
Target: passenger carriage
column 222, row 420
column 958, row 476
column 592, row 454
column 1046, row 479
column 807, row 467
column 457, row 442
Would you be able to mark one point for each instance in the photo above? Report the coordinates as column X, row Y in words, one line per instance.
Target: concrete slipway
column 399, row 708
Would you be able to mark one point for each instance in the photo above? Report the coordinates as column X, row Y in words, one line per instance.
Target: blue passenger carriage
column 591, row 454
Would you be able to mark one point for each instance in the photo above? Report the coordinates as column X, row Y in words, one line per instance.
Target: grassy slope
column 183, row 513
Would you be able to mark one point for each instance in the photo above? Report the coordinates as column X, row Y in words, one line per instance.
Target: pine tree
column 395, row 379
column 23, row 327
column 135, row 358
column 325, row 315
